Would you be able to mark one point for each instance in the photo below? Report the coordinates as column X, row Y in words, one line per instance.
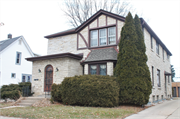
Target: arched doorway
column 48, row 80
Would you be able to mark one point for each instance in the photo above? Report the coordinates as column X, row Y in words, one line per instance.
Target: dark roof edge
column 93, row 17
column 67, row 32
column 70, row 55
column 154, row 35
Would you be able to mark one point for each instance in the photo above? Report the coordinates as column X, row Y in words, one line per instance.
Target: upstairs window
column 157, row 48
column 94, row 38
column 163, row 54
column 18, row 58
column 102, row 37
column 13, row 75
column 151, row 42
column 112, row 35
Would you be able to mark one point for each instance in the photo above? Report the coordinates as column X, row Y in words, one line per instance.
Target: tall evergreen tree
column 126, row 69
column 144, row 73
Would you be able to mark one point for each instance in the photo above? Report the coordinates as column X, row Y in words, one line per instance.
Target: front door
column 48, row 78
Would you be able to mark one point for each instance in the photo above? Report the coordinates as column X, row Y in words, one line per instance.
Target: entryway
column 48, row 81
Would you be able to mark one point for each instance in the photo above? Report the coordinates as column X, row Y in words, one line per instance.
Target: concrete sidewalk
column 169, row 109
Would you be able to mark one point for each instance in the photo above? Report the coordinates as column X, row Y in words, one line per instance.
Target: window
column 157, row 97
column 163, row 54
column 158, row 78
column 153, row 98
column 167, row 56
column 94, row 38
column 13, row 75
column 112, row 35
column 151, row 42
column 157, row 48
column 26, row 78
column 152, row 76
column 99, row 69
column 168, row 80
column 18, row 58
column 161, row 97
column 101, row 37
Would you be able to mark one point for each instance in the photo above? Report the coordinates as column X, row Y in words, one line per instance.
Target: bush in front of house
column 14, row 91
column 56, row 92
column 90, row 90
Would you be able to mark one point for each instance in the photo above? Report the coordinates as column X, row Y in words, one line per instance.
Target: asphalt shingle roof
column 102, row 54
column 5, row 43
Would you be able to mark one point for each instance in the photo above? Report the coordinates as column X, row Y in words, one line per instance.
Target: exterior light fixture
column 39, row 70
column 57, row 69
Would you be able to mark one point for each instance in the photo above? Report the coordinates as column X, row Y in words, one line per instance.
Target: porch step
column 29, row 101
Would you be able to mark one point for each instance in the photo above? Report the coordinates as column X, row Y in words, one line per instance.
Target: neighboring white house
column 13, row 66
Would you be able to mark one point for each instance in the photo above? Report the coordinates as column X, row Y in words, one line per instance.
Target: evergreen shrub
column 56, row 92
column 90, row 90
column 13, row 91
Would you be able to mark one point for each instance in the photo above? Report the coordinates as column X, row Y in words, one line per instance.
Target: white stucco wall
column 8, row 63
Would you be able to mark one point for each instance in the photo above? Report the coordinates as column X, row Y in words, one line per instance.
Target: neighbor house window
column 151, row 42
column 168, row 80
column 161, row 97
column 13, row 75
column 26, row 78
column 157, row 97
column 101, row 37
column 157, row 48
column 98, row 69
column 158, row 78
column 18, row 58
column 152, row 76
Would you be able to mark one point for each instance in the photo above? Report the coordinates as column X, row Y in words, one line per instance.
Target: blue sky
column 35, row 19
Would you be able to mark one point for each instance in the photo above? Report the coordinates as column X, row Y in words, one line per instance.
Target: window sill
column 153, row 87
column 152, row 50
column 158, row 55
column 159, row 88
column 101, row 46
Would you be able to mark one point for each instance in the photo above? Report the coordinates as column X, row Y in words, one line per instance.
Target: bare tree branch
column 78, row 11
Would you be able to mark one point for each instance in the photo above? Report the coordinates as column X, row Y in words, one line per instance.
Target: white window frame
column 20, row 55
column 94, row 38
column 102, row 36
column 112, row 35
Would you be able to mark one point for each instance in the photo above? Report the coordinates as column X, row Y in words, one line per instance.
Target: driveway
column 169, row 109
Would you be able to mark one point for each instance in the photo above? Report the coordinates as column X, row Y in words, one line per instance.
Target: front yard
column 62, row 111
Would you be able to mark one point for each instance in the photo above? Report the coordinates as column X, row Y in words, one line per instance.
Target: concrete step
column 28, row 101
column 25, row 104
column 34, row 98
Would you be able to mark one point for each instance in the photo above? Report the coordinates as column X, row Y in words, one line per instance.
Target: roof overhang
column 167, row 73
column 62, row 55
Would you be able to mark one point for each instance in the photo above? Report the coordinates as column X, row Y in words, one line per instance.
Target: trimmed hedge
column 56, row 92
column 90, row 90
column 13, row 91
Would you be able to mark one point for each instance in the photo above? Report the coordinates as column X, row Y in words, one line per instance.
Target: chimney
column 9, row 36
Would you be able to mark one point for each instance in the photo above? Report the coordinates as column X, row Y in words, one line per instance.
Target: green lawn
column 5, row 105
column 62, row 111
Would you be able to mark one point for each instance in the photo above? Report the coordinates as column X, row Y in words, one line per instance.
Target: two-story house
column 13, row 66
column 92, row 48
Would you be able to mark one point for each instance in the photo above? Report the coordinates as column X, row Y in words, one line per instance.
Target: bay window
column 98, row 69
column 102, row 37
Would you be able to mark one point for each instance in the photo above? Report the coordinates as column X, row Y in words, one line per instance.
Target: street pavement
column 169, row 109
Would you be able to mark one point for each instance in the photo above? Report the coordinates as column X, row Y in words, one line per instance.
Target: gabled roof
column 115, row 16
column 6, row 43
column 83, row 25
column 107, row 54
